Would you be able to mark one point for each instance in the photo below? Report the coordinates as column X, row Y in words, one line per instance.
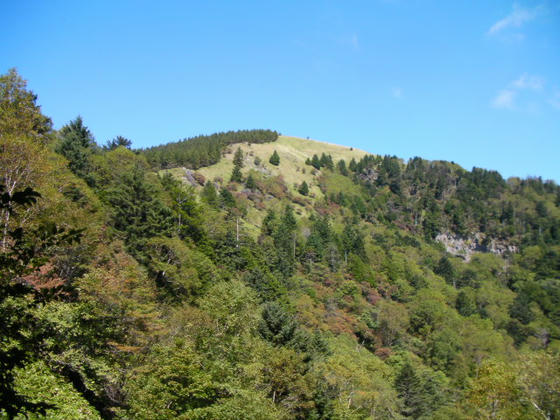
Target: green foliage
column 539, row 376
column 203, row 150
column 118, row 142
column 250, row 182
column 421, row 394
column 352, row 240
column 238, row 158
column 285, row 242
column 209, row 194
column 23, row 332
column 496, row 394
column 320, row 239
column 445, row 269
column 175, row 303
column 341, row 165
column 267, row 285
column 226, row 198
column 41, row 385
column 269, row 223
column 360, row 270
column 274, row 159
column 326, row 161
column 19, row 113
column 466, row 303
column 136, row 211
column 173, row 380
column 179, row 271
column 276, row 325
column 232, row 306
column 186, row 210
column 243, row 404
column 315, row 162
column 362, row 382
column 392, row 322
column 303, row 188
column 77, row 145
column 521, row 309
column 236, row 175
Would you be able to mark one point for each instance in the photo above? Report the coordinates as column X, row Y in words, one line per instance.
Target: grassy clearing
column 337, row 183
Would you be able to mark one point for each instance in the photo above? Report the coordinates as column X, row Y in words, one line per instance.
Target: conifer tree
column 303, row 188
column 226, row 198
column 187, row 212
column 269, row 223
column 342, row 167
column 137, row 211
column 117, row 142
column 409, row 388
column 326, row 161
column 250, row 182
column 238, row 158
column 77, row 145
column 352, row 240
column 315, row 162
column 275, row 159
column 236, row 175
column 276, row 325
column 446, row 270
column 209, row 194
column 285, row 242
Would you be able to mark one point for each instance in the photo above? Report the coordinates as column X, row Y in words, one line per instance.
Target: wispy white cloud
column 505, row 99
column 515, row 19
column 397, row 92
column 555, row 100
column 526, row 81
column 526, row 88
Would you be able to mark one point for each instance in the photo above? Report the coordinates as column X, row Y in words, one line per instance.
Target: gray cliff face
column 465, row 247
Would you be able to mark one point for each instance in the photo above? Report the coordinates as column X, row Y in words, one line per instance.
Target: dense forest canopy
column 128, row 292
column 202, row 150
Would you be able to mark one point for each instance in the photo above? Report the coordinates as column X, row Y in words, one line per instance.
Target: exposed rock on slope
column 466, row 247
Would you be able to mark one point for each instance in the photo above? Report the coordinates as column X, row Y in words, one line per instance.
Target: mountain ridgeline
column 202, row 150
column 250, row 275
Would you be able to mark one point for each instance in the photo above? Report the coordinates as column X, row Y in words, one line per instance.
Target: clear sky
column 475, row 82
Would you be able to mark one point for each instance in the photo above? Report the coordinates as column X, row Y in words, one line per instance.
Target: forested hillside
column 247, row 275
column 203, row 150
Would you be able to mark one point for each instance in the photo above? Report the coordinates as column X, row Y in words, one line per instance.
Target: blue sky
column 475, row 82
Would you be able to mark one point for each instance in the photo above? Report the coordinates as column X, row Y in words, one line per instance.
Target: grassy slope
column 293, row 152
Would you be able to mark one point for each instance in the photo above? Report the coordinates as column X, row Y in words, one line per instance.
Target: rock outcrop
column 466, row 247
